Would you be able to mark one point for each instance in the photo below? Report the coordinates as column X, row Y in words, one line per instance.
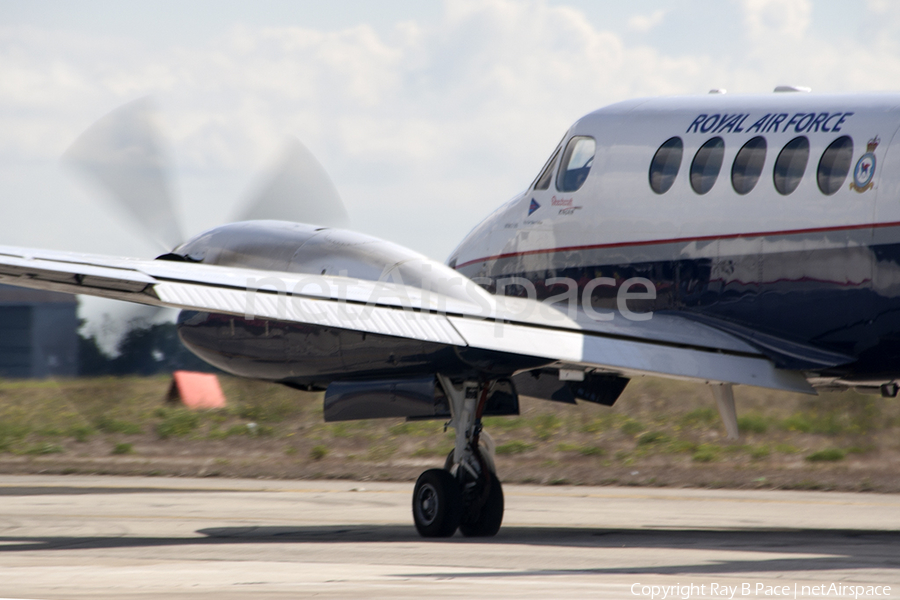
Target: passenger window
column 665, row 164
column 748, row 165
column 543, row 181
column 834, row 165
column 706, row 165
column 576, row 163
column 790, row 165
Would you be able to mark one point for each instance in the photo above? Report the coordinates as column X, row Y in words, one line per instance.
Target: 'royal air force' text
column 800, row 122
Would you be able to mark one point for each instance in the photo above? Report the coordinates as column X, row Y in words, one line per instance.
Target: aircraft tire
column 436, row 504
column 491, row 516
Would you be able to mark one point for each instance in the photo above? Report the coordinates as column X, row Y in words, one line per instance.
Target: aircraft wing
column 667, row 345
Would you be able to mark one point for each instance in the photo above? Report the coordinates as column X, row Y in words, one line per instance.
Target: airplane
column 720, row 238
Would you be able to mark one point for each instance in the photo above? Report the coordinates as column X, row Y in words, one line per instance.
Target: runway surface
column 116, row 537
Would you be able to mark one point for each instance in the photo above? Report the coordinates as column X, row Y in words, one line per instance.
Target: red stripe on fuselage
column 704, row 238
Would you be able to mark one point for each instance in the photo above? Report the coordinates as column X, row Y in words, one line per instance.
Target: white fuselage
column 816, row 261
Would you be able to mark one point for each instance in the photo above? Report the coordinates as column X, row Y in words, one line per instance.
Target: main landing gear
column 466, row 493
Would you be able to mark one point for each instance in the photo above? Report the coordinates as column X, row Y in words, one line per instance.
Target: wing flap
column 629, row 357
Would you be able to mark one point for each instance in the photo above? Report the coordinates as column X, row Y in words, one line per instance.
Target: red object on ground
column 196, row 390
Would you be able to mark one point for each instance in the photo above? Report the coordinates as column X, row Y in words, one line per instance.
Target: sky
column 427, row 114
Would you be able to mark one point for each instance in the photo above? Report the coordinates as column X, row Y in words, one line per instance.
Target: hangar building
column 38, row 333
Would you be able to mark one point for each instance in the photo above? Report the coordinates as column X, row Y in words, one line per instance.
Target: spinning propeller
column 124, row 154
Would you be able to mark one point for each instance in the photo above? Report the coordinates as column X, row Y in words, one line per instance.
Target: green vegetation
column 682, row 446
column 546, row 425
column 382, row 450
column 581, row 449
column 107, row 424
column 504, row 423
column 240, row 429
column 591, row 451
column 270, row 408
column 11, row 434
column 839, row 414
column 753, row 423
column 45, row 448
column 122, row 448
column 700, row 417
column 827, row 455
column 602, row 422
column 786, row 449
column 652, row 437
column 80, row 433
column 417, row 428
column 631, row 427
column 706, row 453
column 514, row 447
column 176, row 422
column 760, row 452
column 440, row 451
column 656, row 433
column 348, row 429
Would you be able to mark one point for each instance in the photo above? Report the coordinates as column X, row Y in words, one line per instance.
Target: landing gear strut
column 466, row 493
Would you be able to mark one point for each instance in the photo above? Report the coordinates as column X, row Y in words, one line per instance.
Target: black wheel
column 488, row 521
column 437, row 504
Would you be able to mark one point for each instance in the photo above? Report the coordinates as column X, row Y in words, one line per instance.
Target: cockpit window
column 576, row 163
column 543, row 182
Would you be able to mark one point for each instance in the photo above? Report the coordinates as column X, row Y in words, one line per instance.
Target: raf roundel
column 864, row 171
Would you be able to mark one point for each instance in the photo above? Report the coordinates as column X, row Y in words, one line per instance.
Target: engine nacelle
column 312, row 356
column 300, row 248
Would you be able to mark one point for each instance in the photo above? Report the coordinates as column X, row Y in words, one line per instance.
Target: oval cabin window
column 576, row 163
column 834, row 165
column 790, row 165
column 748, row 165
column 707, row 164
column 665, row 164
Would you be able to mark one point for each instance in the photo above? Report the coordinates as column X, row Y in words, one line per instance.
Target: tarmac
column 124, row 537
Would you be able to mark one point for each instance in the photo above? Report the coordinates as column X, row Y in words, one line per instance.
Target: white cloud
column 768, row 19
column 644, row 23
